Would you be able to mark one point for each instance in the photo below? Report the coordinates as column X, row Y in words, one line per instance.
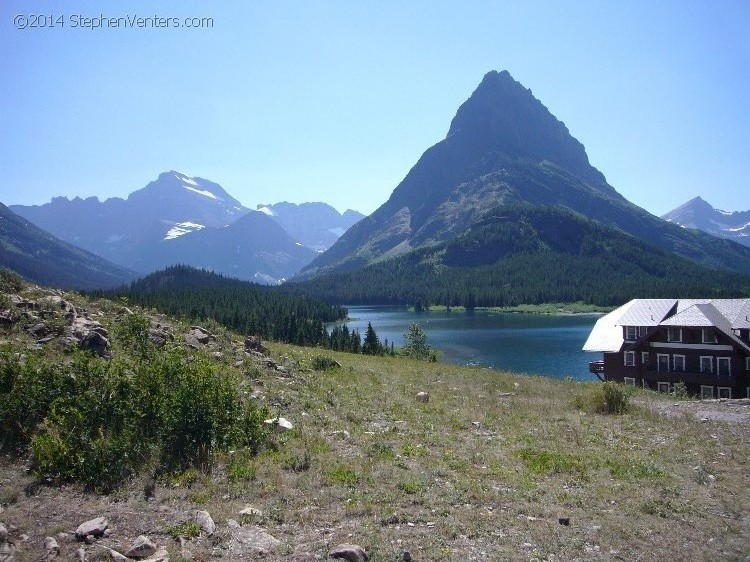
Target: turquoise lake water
column 524, row 343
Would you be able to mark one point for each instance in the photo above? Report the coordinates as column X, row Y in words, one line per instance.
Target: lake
column 525, row 343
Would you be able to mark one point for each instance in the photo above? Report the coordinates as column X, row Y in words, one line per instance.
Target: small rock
column 251, row 511
column 423, row 397
column 160, row 555
column 3, row 533
column 406, row 556
column 254, row 343
column 117, row 557
column 7, row 551
column 93, row 527
column 250, row 540
column 711, row 479
column 142, row 547
column 281, row 423
column 205, row 522
column 89, row 539
column 564, row 521
column 81, row 555
column 350, row 552
column 50, row 545
column 107, row 533
column 64, row 537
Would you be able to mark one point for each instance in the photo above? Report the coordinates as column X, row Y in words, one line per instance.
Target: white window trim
column 705, row 387
column 631, row 355
column 642, row 331
column 644, row 358
column 728, row 390
column 658, row 363
column 629, row 381
column 729, row 364
column 674, row 363
column 700, row 364
column 661, row 385
column 669, row 335
column 628, row 335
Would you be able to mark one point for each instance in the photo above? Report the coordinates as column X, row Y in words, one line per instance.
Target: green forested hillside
column 240, row 305
column 528, row 254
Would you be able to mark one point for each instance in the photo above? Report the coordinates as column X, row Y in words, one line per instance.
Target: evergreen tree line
column 245, row 307
column 527, row 255
column 342, row 339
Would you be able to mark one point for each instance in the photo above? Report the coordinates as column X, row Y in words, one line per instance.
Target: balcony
column 596, row 367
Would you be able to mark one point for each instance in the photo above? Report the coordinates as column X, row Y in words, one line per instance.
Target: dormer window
column 631, row 333
column 709, row 336
column 674, row 334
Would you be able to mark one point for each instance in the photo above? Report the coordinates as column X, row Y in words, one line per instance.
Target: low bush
column 324, row 362
column 606, row 398
column 98, row 421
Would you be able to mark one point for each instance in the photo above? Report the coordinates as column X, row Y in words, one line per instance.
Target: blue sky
column 335, row 101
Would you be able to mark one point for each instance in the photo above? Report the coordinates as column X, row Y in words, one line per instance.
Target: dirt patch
column 721, row 410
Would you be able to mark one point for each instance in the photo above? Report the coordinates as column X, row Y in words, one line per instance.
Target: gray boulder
column 250, row 540
column 142, row 547
column 93, row 527
column 350, row 552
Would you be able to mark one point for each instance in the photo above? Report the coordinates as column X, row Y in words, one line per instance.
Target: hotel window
column 724, row 391
column 662, row 362
column 642, row 330
column 707, row 364
column 674, row 334
column 678, row 363
column 630, row 381
column 631, row 333
column 644, row 359
column 630, row 358
column 707, row 391
column 723, row 366
column 709, row 336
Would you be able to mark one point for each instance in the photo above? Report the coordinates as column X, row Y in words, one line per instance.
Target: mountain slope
column 252, row 248
column 316, row 225
column 504, row 146
column 699, row 214
column 40, row 257
column 521, row 253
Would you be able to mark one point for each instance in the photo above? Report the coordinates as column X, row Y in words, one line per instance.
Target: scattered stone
column 142, row 547
column 7, row 552
column 251, row 511
column 3, row 533
column 55, row 302
column 711, row 479
column 160, row 555
column 205, row 522
column 89, row 539
column 350, row 552
column 564, row 521
column 93, row 527
column 254, row 343
column 423, row 397
column 117, row 557
column 50, row 545
column 38, row 330
column 406, row 556
column 281, row 423
column 5, row 317
column 250, row 540
column 199, row 335
column 81, row 555
column 64, row 537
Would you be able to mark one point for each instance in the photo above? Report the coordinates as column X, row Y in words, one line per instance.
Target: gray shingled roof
column 724, row 314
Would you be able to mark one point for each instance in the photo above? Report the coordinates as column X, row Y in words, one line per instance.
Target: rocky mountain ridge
column 699, row 214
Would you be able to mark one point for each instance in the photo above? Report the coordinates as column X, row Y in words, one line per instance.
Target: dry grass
column 482, row 471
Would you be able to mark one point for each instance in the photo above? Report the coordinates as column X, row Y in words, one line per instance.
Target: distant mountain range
column 41, row 258
column 316, row 225
column 178, row 219
column 699, row 214
column 463, row 211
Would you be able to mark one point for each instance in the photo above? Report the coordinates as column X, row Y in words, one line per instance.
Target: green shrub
column 99, row 421
column 679, row 390
column 606, row 398
column 324, row 362
column 10, row 281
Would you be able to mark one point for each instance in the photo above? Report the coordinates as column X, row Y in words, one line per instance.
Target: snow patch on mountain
column 182, row 228
column 203, row 192
column 266, row 211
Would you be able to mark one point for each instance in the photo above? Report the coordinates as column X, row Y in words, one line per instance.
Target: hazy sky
column 335, row 101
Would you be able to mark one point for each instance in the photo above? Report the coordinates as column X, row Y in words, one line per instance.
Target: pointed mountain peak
column 503, row 116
